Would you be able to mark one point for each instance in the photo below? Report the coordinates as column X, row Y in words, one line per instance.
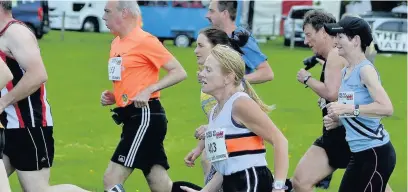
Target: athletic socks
column 117, row 188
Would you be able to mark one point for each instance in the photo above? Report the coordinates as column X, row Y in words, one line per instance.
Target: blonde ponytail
column 251, row 92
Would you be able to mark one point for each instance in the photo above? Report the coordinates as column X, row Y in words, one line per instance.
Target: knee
column 158, row 179
column 301, row 184
column 38, row 188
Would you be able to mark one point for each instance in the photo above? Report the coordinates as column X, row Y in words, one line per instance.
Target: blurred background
column 181, row 20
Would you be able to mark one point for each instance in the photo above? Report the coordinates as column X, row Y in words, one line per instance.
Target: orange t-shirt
column 141, row 56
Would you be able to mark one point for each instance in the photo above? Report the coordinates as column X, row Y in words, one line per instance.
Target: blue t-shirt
column 253, row 56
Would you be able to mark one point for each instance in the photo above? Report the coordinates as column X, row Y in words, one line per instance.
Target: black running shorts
column 143, row 133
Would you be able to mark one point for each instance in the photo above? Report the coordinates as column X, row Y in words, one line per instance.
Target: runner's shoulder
column 18, row 32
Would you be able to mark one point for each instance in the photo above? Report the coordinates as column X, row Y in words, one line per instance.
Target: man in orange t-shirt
column 136, row 58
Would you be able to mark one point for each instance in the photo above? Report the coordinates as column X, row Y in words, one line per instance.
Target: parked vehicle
column 390, row 35
column 295, row 15
column 80, row 15
column 34, row 14
column 389, row 30
column 180, row 21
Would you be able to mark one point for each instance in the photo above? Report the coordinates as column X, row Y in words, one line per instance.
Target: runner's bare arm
column 175, row 74
column 24, row 48
column 201, row 145
column 5, row 74
column 332, row 75
column 262, row 74
column 247, row 112
column 382, row 105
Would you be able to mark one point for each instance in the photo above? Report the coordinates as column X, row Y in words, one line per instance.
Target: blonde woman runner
column 239, row 167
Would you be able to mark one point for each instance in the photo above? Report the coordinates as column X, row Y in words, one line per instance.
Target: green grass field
column 86, row 136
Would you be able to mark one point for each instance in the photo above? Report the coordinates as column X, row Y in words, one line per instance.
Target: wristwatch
column 356, row 111
column 279, row 185
column 306, row 79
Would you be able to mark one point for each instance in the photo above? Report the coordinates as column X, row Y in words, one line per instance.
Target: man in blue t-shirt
column 222, row 14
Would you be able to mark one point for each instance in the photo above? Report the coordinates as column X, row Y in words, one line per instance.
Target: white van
column 80, row 15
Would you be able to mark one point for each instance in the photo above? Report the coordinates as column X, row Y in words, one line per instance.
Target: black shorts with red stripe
column 30, row 149
column 143, row 132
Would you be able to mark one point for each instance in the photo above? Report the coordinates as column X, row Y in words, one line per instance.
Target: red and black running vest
column 33, row 111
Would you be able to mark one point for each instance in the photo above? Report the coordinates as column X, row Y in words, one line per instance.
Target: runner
column 362, row 103
column 330, row 151
column 5, row 77
column 206, row 40
column 26, row 113
column 243, row 167
column 135, row 60
column 222, row 15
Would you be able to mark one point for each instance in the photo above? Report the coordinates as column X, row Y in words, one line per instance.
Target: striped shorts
column 143, row 132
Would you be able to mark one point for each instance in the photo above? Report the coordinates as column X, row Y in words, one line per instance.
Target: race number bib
column 346, row 97
column 215, row 145
column 115, row 69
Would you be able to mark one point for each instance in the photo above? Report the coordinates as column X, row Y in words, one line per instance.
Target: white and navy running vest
column 242, row 148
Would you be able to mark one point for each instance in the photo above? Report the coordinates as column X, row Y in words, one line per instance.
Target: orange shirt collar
column 134, row 33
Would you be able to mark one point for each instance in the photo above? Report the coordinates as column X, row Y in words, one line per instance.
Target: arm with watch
column 279, row 186
column 332, row 78
column 331, row 121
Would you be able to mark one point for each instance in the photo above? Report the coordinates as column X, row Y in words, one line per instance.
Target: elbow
column 268, row 73
column 265, row 72
column 269, row 76
column 182, row 74
column 43, row 78
column 388, row 111
column 284, row 144
column 331, row 96
column 280, row 142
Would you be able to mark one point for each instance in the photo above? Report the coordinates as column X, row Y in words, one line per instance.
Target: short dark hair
column 230, row 6
column 317, row 18
column 6, row 5
column 217, row 36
